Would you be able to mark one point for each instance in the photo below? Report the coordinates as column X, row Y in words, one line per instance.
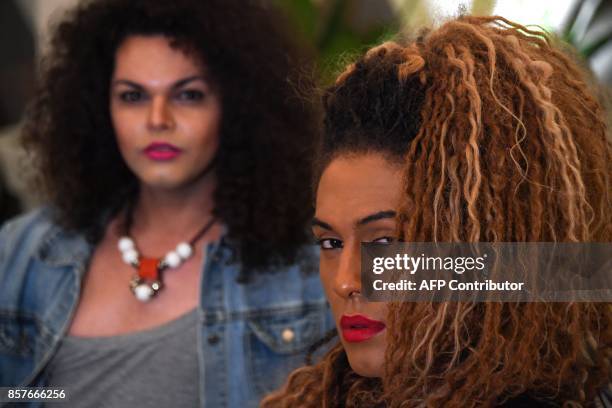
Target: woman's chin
column 366, row 364
column 164, row 182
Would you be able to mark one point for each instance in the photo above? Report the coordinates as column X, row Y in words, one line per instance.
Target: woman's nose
column 348, row 277
column 160, row 115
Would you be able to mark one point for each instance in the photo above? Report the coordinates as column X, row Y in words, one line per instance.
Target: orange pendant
column 148, row 270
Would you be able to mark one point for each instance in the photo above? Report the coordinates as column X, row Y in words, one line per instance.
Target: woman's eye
column 131, row 96
column 384, row 240
column 330, row 243
column 190, row 95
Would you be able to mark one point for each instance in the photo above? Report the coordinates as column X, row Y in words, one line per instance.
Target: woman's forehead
column 357, row 186
column 153, row 58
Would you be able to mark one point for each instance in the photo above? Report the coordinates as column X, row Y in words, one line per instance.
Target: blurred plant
column 336, row 29
column 588, row 25
column 589, row 29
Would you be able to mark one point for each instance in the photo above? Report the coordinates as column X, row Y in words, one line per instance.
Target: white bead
column 184, row 250
column 130, row 256
column 143, row 292
column 172, row 259
column 125, row 243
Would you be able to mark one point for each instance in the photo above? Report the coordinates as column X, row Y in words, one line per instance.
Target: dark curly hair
column 268, row 129
column 365, row 113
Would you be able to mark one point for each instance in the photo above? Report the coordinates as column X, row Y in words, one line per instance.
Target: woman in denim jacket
column 174, row 153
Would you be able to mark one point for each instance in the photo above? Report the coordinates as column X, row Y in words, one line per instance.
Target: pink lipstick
column 160, row 151
column 359, row 328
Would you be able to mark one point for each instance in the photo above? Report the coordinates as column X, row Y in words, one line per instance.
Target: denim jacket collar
column 74, row 249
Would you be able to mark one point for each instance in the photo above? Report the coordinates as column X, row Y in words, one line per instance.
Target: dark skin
column 158, row 94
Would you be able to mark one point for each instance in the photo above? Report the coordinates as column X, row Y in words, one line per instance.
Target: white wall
column 39, row 13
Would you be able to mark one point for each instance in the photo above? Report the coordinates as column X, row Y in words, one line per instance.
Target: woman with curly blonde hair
column 480, row 130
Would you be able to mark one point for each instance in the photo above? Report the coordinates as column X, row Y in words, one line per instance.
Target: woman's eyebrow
column 318, row 223
column 182, row 82
column 376, row 216
column 380, row 215
column 128, row 83
column 178, row 84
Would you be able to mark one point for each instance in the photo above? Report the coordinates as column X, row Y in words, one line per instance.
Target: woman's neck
column 172, row 215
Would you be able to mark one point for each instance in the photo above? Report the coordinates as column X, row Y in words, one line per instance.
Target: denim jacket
column 251, row 334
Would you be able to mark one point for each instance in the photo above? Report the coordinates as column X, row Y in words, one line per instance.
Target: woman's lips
column 161, row 151
column 357, row 328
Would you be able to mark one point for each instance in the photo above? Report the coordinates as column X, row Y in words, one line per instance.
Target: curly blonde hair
column 510, row 147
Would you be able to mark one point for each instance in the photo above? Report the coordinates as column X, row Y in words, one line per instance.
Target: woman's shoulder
column 28, row 226
column 28, row 235
column 34, row 243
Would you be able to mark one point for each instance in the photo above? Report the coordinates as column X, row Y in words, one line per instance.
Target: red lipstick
column 359, row 328
column 160, row 151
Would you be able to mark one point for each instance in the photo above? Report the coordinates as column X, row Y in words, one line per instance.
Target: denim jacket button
column 213, row 339
column 288, row 335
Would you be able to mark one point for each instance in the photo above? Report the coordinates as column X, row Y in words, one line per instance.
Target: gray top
column 151, row 368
